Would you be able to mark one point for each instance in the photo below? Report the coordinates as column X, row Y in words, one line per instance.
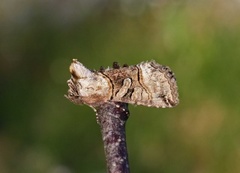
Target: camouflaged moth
column 148, row 83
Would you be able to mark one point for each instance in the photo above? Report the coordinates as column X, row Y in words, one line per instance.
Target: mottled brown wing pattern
column 147, row 83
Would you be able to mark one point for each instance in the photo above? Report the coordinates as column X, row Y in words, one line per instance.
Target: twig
column 112, row 117
column 109, row 91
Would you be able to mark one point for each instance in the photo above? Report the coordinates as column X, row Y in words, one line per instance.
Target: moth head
column 78, row 70
column 86, row 86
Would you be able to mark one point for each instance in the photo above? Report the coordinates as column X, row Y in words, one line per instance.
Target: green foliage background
column 42, row 132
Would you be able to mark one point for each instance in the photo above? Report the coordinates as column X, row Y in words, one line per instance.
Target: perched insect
column 148, row 83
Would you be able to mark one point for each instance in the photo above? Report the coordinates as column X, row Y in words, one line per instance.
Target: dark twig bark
column 112, row 117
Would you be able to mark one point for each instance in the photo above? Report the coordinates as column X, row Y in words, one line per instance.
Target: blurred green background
column 42, row 132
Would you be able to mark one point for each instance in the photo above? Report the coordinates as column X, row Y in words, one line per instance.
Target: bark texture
column 112, row 117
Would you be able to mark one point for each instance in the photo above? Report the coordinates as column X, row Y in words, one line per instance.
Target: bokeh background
column 42, row 132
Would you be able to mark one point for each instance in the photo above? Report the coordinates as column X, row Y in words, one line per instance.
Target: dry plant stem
column 112, row 117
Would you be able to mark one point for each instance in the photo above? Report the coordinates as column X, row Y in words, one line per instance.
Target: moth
column 148, row 83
